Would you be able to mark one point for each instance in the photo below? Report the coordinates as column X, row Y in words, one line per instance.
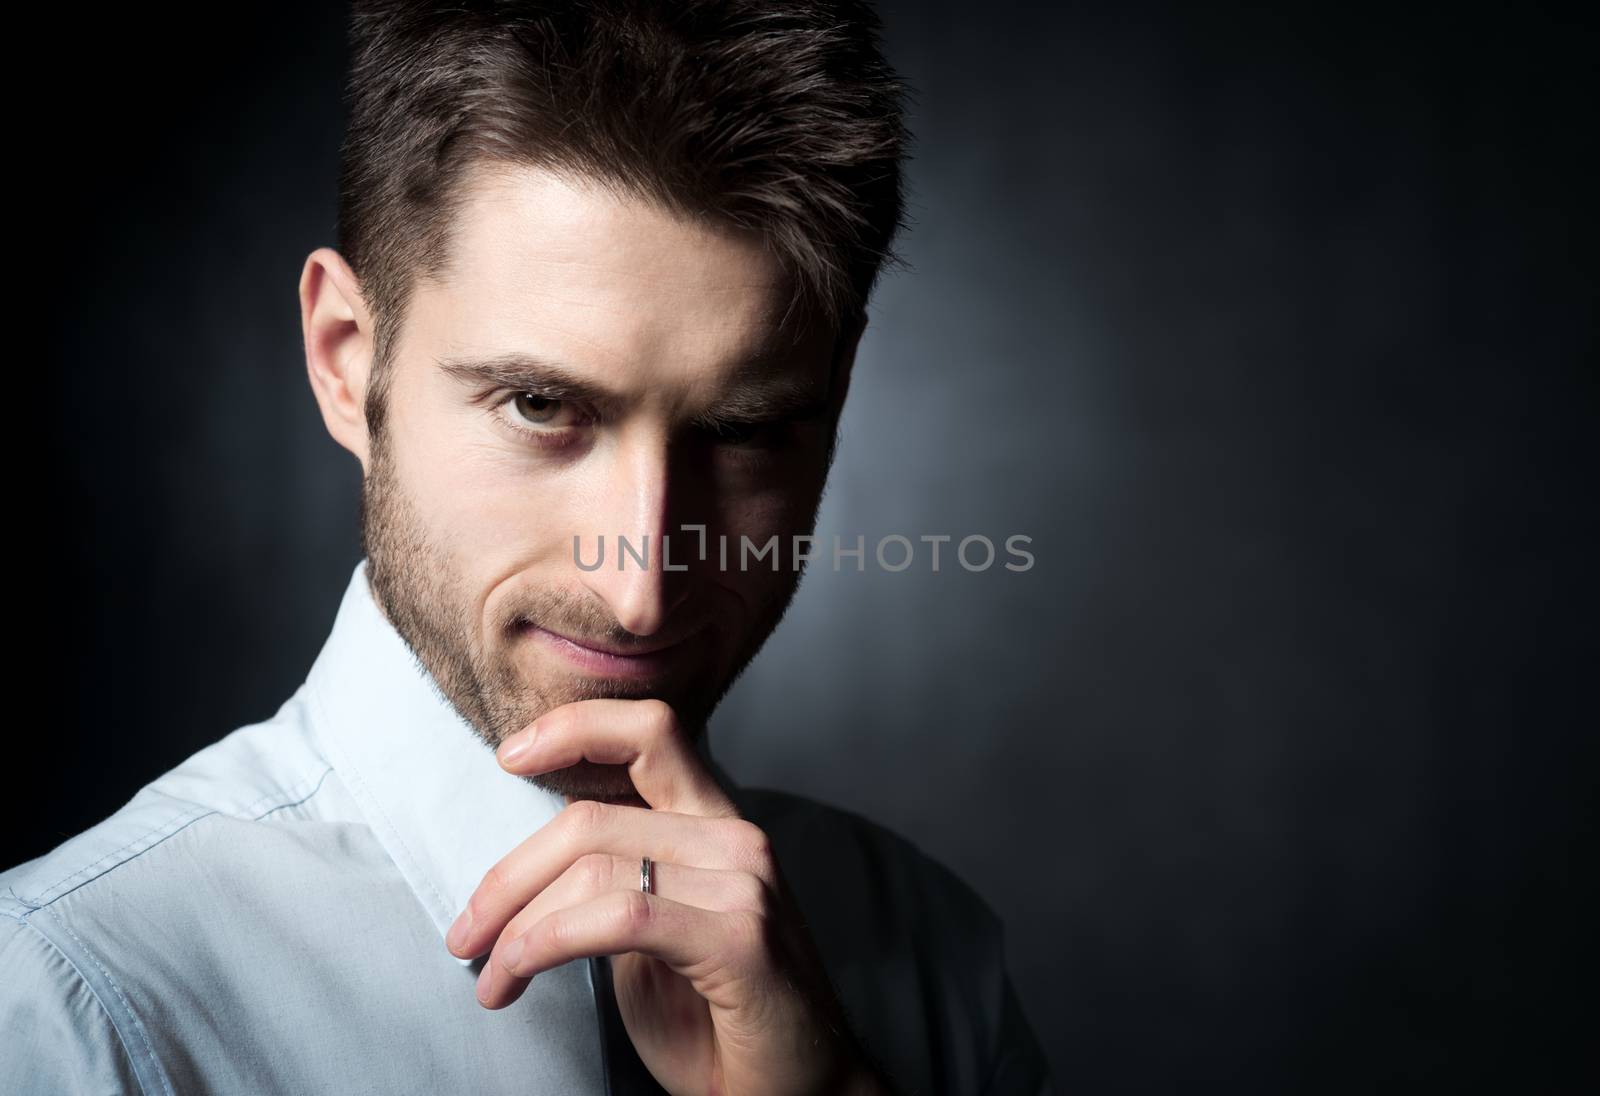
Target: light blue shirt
column 269, row 916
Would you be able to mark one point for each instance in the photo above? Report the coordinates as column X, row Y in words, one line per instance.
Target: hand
column 718, row 981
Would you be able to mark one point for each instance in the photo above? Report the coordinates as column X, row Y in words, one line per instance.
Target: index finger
column 644, row 735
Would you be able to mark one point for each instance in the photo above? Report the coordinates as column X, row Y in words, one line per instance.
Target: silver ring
column 646, row 883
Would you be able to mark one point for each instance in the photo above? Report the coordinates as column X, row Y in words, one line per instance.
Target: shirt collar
column 428, row 785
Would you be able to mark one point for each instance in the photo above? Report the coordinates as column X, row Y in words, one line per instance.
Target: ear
column 338, row 339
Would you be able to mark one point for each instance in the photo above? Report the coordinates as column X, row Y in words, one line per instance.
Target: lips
column 604, row 648
column 598, row 657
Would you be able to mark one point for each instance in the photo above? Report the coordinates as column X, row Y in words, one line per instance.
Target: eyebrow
column 753, row 398
column 526, row 372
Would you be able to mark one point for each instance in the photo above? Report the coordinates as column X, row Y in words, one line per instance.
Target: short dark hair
column 781, row 117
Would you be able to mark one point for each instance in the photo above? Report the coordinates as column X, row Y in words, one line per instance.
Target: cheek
column 757, row 517
column 488, row 503
column 774, row 511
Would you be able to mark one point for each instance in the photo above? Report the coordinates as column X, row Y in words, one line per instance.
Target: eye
column 532, row 409
column 726, row 432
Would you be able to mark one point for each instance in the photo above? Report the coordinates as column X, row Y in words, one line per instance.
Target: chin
column 588, row 780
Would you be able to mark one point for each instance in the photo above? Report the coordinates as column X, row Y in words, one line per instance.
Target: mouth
column 647, row 658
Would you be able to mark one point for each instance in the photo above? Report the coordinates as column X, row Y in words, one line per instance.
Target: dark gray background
column 1275, row 332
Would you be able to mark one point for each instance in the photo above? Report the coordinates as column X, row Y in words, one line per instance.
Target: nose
column 633, row 504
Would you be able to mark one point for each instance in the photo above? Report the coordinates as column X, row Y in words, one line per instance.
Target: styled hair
column 780, row 117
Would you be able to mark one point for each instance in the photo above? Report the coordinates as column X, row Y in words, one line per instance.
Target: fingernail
column 511, row 953
column 457, row 938
column 513, row 748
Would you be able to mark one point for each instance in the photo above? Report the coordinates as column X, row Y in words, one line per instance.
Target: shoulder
column 74, row 921
column 51, row 1012
column 251, row 773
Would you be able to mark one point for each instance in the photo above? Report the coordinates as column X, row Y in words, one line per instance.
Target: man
column 603, row 268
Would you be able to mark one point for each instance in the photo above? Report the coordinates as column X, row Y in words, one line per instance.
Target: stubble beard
column 419, row 588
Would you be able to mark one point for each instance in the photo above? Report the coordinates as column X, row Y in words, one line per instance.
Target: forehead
column 567, row 269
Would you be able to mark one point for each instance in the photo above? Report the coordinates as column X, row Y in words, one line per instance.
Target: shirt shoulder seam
column 279, row 799
column 139, row 1074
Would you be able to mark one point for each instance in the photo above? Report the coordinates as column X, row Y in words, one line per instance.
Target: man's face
column 563, row 383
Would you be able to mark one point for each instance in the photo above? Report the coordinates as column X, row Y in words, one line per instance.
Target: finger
column 586, row 826
column 701, row 945
column 599, row 873
column 644, row 735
